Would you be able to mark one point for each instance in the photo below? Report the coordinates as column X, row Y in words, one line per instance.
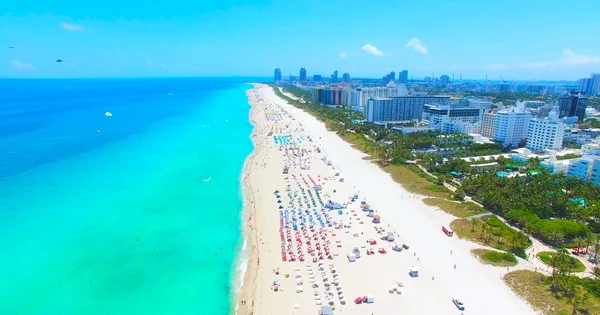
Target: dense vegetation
column 545, row 205
column 549, row 258
column 492, row 232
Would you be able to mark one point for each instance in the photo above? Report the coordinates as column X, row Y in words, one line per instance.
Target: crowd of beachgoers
column 330, row 232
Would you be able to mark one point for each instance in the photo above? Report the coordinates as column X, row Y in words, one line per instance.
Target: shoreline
column 245, row 284
column 267, row 285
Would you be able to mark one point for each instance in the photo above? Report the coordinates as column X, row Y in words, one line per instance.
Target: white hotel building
column 587, row 167
column 546, row 133
column 453, row 119
column 508, row 126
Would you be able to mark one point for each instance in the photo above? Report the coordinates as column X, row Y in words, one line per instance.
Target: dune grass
column 535, row 288
column 494, row 258
column 455, row 208
column 496, row 234
column 414, row 183
column 576, row 265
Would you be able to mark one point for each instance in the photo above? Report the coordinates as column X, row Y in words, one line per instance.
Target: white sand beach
column 296, row 227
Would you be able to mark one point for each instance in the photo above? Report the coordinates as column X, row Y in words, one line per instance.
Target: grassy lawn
column 494, row 258
column 455, row 208
column 576, row 265
column 496, row 234
column 535, row 288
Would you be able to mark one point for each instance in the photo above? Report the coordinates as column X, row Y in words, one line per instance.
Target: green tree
column 459, row 194
column 579, row 241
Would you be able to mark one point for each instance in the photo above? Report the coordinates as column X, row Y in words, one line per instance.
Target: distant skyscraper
column 444, row 80
column 302, row 74
column 334, row 76
column 277, row 75
column 572, row 105
column 595, row 84
column 317, row 78
column 403, row 76
column 393, row 76
column 427, row 80
column 346, row 77
column 585, row 85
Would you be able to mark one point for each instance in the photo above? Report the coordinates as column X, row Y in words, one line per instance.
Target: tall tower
column 277, row 75
column 302, row 74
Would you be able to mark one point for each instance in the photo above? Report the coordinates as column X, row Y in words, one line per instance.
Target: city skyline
column 251, row 38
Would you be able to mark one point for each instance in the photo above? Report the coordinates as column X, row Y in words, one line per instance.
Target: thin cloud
column 343, row 55
column 16, row 64
column 568, row 59
column 416, row 44
column 372, row 50
column 72, row 27
column 497, row 66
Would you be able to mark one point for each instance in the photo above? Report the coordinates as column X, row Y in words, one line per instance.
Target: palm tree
column 588, row 242
column 556, row 238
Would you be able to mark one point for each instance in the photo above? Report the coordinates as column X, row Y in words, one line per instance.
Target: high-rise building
column 317, row 78
column 346, row 77
column 392, row 89
column 329, row 95
column 585, row 85
column 488, row 124
column 353, row 99
column 277, row 75
column 449, row 119
column 427, row 81
column 512, row 124
column 545, row 133
column 403, row 76
column 400, row 108
column 302, row 74
column 402, row 90
column 393, row 76
column 572, row 105
column 444, row 80
column 334, row 76
column 594, row 84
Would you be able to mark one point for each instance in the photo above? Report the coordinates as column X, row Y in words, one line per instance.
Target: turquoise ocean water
column 142, row 217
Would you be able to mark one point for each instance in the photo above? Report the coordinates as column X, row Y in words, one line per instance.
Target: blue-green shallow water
column 122, row 221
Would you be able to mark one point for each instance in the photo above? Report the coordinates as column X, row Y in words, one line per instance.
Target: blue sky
column 511, row 38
